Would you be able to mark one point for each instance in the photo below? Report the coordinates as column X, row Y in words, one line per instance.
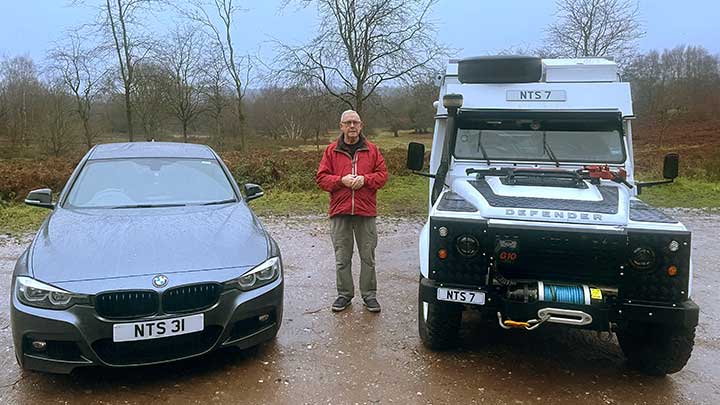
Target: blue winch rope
column 569, row 294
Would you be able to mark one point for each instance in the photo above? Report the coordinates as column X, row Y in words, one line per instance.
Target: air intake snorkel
column 451, row 102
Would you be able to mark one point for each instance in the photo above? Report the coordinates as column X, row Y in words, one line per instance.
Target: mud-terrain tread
column 441, row 330
column 656, row 349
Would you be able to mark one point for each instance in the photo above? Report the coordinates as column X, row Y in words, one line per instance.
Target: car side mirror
column 671, row 166
column 415, row 156
column 252, row 191
column 40, row 198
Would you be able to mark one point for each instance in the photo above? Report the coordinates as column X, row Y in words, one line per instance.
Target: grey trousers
column 344, row 227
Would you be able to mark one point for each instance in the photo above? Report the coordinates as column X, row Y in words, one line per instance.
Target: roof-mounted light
column 452, row 101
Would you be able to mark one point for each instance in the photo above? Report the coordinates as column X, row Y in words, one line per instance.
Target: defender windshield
column 516, row 143
column 150, row 182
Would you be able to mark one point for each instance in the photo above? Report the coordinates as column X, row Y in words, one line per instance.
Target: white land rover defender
column 534, row 216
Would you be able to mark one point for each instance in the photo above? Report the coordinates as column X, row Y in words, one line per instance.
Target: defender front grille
column 127, row 304
column 190, row 298
column 563, row 256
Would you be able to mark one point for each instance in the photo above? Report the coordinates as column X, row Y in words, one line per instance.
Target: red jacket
column 337, row 163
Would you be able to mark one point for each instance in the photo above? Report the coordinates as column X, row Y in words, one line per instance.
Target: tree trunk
column 86, row 129
column 241, row 125
column 128, row 115
column 184, row 125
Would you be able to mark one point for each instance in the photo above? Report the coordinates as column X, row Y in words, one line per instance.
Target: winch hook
column 530, row 324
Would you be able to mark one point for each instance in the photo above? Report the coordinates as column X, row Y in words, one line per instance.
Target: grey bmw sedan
column 150, row 254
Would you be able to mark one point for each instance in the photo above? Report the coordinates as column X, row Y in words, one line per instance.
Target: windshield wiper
column 228, row 201
column 482, row 148
column 147, row 206
column 550, row 152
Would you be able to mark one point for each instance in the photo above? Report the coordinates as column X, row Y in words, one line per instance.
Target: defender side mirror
column 670, row 172
column 40, row 198
column 415, row 156
column 671, row 166
column 252, row 191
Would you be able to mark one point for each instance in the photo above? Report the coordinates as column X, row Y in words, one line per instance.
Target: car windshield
column 149, row 182
column 541, row 145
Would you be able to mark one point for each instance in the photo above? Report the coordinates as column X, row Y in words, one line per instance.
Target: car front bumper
column 79, row 337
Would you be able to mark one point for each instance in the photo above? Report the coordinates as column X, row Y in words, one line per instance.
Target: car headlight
column 37, row 294
column 260, row 275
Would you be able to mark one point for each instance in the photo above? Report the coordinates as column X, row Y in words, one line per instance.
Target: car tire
column 656, row 349
column 439, row 327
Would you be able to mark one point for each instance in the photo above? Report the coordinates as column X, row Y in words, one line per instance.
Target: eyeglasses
column 350, row 123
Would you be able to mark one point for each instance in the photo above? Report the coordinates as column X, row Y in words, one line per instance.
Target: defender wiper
column 228, row 201
column 493, row 171
column 148, row 206
column 550, row 152
column 482, row 148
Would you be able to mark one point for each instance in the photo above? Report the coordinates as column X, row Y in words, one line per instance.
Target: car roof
column 151, row 150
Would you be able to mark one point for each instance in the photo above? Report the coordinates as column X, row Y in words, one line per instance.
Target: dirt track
column 359, row 357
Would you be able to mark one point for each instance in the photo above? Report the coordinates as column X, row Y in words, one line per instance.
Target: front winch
column 578, row 294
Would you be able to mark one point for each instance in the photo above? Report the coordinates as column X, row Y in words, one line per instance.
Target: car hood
column 606, row 204
column 97, row 244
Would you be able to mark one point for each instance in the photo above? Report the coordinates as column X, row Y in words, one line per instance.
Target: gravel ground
column 358, row 357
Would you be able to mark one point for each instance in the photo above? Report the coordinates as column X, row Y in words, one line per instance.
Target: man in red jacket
column 352, row 170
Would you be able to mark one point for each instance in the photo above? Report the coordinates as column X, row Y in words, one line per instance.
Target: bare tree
column 120, row 17
column 152, row 82
column 58, row 125
column 595, row 28
column 21, row 93
column 238, row 68
column 181, row 55
column 362, row 44
column 80, row 70
column 215, row 89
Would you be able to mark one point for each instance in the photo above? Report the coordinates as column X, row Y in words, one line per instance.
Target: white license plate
column 125, row 332
column 535, row 95
column 464, row 296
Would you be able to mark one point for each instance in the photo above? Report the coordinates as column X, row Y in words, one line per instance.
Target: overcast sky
column 475, row 27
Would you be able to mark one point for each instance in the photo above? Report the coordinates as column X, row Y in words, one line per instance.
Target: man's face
column 350, row 126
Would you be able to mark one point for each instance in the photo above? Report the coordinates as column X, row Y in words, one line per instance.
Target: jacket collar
column 340, row 147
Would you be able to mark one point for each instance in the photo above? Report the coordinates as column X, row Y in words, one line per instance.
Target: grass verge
column 17, row 219
column 684, row 193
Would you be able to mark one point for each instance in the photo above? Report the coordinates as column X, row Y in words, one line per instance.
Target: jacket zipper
column 354, row 171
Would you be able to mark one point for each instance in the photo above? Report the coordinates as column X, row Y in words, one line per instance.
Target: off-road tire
column 441, row 329
column 656, row 349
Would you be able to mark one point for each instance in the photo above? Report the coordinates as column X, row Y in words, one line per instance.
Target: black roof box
column 500, row 69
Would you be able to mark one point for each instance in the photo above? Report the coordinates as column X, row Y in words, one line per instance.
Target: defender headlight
column 261, row 274
column 643, row 258
column 467, row 245
column 37, row 294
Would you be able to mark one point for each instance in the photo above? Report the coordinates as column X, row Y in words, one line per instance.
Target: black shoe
column 372, row 305
column 340, row 303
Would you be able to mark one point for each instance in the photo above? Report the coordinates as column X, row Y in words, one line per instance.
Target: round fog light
column 39, row 345
column 674, row 246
